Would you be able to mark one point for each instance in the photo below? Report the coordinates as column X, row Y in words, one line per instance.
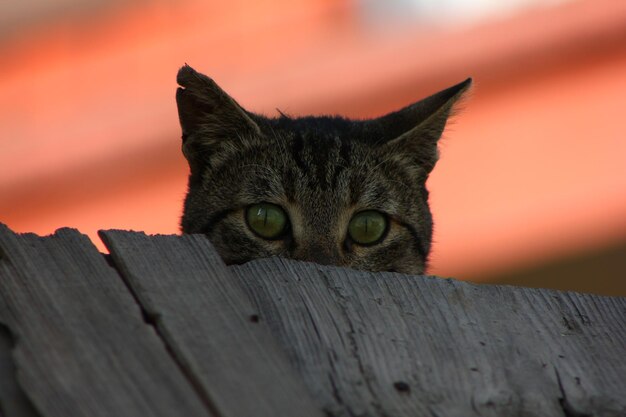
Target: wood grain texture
column 210, row 325
column 392, row 345
column 81, row 347
column 13, row 400
column 283, row 338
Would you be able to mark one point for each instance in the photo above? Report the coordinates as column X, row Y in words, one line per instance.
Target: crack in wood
column 473, row 405
column 354, row 347
column 82, row 348
column 584, row 319
column 337, row 396
column 153, row 319
column 566, row 406
column 209, row 326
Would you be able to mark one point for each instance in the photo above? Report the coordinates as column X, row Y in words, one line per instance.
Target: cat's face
column 320, row 189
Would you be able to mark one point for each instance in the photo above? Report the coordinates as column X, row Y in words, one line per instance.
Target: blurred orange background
column 531, row 185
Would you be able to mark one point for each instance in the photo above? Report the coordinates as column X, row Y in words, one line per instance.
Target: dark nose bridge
column 319, row 243
column 320, row 249
column 321, row 252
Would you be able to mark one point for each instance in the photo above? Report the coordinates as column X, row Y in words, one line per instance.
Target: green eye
column 367, row 227
column 266, row 220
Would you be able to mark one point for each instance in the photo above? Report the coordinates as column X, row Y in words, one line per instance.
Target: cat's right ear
column 415, row 130
column 208, row 116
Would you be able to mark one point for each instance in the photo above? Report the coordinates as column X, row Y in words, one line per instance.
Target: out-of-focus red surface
column 533, row 168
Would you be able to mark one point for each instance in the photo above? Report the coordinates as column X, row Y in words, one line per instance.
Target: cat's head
column 322, row 189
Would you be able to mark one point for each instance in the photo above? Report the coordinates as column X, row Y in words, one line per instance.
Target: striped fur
column 321, row 170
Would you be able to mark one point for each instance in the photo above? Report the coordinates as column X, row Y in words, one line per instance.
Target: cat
column 324, row 189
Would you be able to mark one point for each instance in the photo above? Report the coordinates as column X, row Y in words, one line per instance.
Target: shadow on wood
column 168, row 329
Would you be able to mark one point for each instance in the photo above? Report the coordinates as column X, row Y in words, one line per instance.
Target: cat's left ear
column 416, row 129
column 209, row 117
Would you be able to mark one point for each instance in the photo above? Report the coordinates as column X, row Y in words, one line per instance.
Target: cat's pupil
column 266, row 220
column 368, row 227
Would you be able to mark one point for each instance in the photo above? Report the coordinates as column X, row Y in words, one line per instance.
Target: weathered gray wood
column 13, row 401
column 81, row 345
column 361, row 344
column 209, row 325
column 392, row 345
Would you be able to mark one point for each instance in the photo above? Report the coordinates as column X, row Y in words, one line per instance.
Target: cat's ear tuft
column 415, row 129
column 208, row 114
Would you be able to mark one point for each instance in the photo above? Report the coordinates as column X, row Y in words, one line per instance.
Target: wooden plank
column 209, row 324
column 393, row 345
column 81, row 345
column 13, row 400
